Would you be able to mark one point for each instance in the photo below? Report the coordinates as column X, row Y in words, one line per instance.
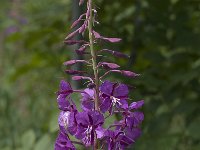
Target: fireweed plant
column 100, row 100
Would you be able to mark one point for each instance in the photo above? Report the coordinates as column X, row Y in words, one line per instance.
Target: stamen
column 115, row 100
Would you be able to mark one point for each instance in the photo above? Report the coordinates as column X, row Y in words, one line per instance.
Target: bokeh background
column 162, row 37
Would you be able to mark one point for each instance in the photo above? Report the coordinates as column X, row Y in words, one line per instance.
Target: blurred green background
column 162, row 37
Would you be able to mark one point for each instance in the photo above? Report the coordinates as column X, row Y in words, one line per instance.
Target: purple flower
column 133, row 119
column 119, row 140
column 87, row 101
column 89, row 124
column 113, row 94
column 63, row 142
column 63, row 96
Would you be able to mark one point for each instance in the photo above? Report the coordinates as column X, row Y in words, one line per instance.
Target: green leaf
column 53, row 125
column 28, row 140
column 43, row 143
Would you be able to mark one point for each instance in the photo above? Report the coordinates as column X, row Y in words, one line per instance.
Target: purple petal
column 63, row 143
column 105, row 105
column 71, row 35
column 112, row 40
column 80, row 134
column 108, row 65
column 87, row 102
column 82, row 118
column 82, row 28
column 65, row 85
column 63, row 104
column 107, row 88
column 136, row 105
column 123, row 104
column 72, row 123
column 121, row 91
column 63, row 121
column 76, row 22
column 72, row 62
column 87, row 105
column 81, row 78
column 135, row 119
column 100, row 132
column 133, row 134
column 96, row 35
column 89, row 93
column 97, row 118
column 129, row 74
column 82, row 49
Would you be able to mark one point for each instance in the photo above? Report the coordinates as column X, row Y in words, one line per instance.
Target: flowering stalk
column 98, row 99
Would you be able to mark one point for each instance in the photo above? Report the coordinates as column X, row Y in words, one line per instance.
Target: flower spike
column 100, row 99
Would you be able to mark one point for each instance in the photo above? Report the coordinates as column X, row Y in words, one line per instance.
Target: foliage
column 165, row 46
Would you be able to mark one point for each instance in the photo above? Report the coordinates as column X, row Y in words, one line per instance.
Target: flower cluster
column 100, row 100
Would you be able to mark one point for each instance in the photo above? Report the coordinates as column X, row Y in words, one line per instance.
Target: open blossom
column 113, row 94
column 63, row 142
column 88, row 125
column 119, row 140
column 132, row 117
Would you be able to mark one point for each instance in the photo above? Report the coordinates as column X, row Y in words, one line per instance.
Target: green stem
column 94, row 66
column 94, row 58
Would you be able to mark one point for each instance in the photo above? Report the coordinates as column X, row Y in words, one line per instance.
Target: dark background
column 162, row 37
